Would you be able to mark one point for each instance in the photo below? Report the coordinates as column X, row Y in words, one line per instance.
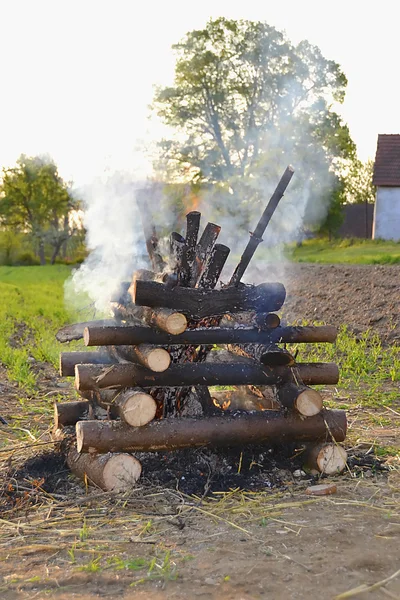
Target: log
column 208, row 279
column 269, row 355
column 69, row 413
column 177, row 249
column 329, row 459
column 226, row 430
column 88, row 377
column 75, row 331
column 134, row 335
column 135, row 407
column 199, row 303
column 203, row 251
column 68, row 360
column 109, row 472
column 305, row 400
column 155, row 359
column 256, row 235
column 266, row 320
column 167, row 319
column 192, row 231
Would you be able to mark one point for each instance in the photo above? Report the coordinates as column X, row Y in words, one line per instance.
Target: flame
column 193, row 202
column 225, row 404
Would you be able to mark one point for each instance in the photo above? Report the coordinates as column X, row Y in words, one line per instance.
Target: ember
column 158, row 357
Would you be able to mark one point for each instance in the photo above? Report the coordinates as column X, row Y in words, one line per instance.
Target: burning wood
column 159, row 351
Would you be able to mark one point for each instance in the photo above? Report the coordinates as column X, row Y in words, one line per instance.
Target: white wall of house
column 387, row 214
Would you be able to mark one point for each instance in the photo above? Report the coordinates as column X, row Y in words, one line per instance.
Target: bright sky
column 77, row 75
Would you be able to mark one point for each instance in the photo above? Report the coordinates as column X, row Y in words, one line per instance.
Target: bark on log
column 135, row 407
column 241, row 429
column 305, row 400
column 269, row 355
column 329, row 459
column 75, row 331
column 89, row 377
column 199, row 303
column 69, row 413
column 134, row 335
column 68, row 360
column 203, row 251
column 155, row 359
column 117, row 472
column 208, row 279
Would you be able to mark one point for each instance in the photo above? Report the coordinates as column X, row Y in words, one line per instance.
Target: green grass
column 347, row 251
column 31, row 311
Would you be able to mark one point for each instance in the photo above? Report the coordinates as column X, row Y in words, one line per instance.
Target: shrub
column 26, row 259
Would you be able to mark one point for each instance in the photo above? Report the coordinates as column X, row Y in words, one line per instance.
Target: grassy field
column 350, row 251
column 55, row 545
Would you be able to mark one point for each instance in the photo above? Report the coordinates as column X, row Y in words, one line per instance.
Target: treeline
column 40, row 218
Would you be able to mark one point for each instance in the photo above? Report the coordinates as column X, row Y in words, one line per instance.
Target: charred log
column 199, row 303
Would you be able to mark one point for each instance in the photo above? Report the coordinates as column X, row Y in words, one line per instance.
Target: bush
column 26, row 259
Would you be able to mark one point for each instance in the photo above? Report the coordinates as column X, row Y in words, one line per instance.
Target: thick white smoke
column 114, row 240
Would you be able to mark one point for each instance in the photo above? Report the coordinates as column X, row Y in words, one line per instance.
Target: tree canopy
column 35, row 200
column 245, row 103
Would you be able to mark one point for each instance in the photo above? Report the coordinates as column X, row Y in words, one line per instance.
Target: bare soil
column 161, row 541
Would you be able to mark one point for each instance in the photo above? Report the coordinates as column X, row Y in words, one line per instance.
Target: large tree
column 246, row 102
column 35, row 200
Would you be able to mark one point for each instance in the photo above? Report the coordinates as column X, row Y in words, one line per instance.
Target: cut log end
column 175, row 323
column 121, row 472
column 309, row 402
column 155, row 359
column 136, row 408
column 329, row 459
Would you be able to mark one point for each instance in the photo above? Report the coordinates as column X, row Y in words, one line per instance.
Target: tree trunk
column 42, row 257
column 329, row 459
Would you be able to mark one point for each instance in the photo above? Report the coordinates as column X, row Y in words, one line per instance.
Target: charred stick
column 244, row 428
column 108, row 336
column 256, row 235
column 267, row 354
column 149, row 233
column 92, row 377
column 198, row 303
column 203, row 250
column 213, row 268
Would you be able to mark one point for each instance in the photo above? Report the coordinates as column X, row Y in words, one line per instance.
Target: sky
column 77, row 77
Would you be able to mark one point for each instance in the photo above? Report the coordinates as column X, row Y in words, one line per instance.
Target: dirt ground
column 60, row 540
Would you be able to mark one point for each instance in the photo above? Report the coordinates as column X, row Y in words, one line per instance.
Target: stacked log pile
column 175, row 333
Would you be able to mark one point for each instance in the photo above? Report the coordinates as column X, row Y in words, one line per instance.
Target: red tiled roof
column 387, row 161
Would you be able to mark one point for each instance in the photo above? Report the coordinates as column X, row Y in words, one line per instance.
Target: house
column 387, row 180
